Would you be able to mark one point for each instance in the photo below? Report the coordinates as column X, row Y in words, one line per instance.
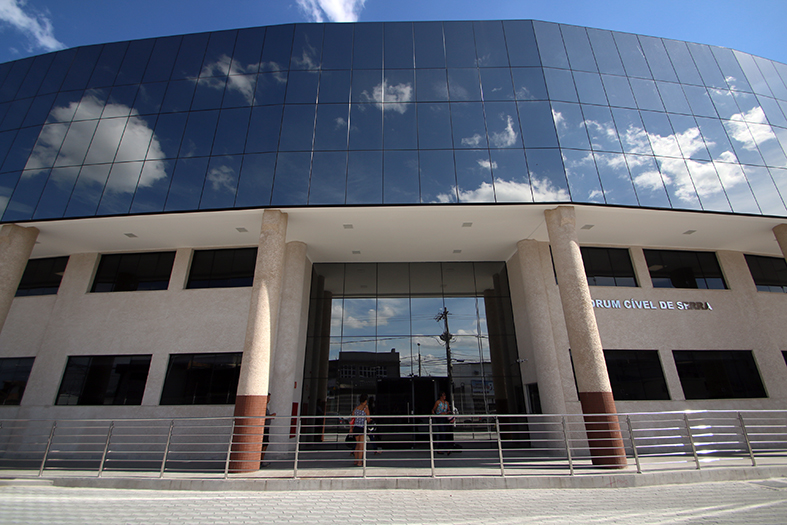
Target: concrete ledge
column 595, row 481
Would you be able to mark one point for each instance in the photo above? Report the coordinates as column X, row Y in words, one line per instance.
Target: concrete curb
column 623, row 480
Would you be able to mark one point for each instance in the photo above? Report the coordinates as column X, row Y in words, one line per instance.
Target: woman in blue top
column 442, row 409
column 359, row 420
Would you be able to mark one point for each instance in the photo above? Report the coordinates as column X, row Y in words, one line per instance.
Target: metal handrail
column 412, row 445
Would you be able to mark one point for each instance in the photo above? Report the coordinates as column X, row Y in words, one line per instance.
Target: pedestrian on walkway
column 358, row 422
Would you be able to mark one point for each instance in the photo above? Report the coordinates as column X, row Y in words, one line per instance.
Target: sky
column 32, row 27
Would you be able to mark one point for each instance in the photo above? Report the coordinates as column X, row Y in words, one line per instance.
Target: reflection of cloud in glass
column 744, row 134
column 214, row 75
column 222, row 177
column 509, row 191
column 390, row 97
column 104, row 144
column 475, row 140
column 356, row 318
column 505, row 138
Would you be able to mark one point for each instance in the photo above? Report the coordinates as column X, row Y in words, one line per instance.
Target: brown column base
column 248, row 434
column 603, row 429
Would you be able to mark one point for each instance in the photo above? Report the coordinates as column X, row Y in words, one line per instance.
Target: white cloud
column 473, row 141
column 36, row 26
column 510, row 191
column 222, row 177
column 507, row 137
column 332, row 10
column 390, row 97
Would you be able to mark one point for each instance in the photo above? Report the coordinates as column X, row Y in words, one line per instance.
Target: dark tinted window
column 769, row 273
column 128, row 272
column 222, row 268
column 14, row 372
column 683, row 269
column 608, row 267
column 104, row 380
column 42, row 276
column 636, row 375
column 201, row 379
column 718, row 374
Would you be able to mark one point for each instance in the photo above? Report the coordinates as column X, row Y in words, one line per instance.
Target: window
column 769, row 273
column 718, row 374
column 683, row 269
column 14, row 372
column 222, row 268
column 104, row 380
column 636, row 375
column 201, row 379
column 608, row 267
column 130, row 272
column 42, row 276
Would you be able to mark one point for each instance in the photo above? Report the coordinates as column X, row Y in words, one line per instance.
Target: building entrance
column 376, row 329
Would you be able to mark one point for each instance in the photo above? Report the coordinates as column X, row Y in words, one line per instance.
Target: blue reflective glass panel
column 398, row 45
column 490, row 44
column 724, row 103
column 178, row 96
column 647, row 181
column 757, row 81
column 133, row 67
column 120, row 187
column 35, row 75
column 431, row 85
column 737, row 188
column 509, row 170
column 80, row 70
column 120, row 100
column 329, row 178
column 679, row 184
column 580, row 55
column 699, row 101
column 366, row 126
column 187, row 182
column 105, row 141
column 276, row 49
column 673, row 97
column 400, row 177
column 87, row 191
column 302, row 87
column 255, row 180
column 646, row 94
column 200, row 130
column 538, row 126
column 772, row 77
column 221, row 182
column 16, row 113
column 297, row 128
column 169, row 132
column 606, row 52
column 529, row 83
column 590, row 88
column 399, row 126
column 337, row 46
column 464, row 84
column 57, row 71
column 331, row 130
column 153, row 186
column 367, row 86
column 570, row 126
column 658, row 60
column 765, row 190
column 20, row 150
column 708, row 186
column 291, row 182
column 437, row 176
column 162, row 59
column 631, row 131
column 334, row 86
column 307, row 46
column 368, row 46
column 743, row 142
column 503, row 125
column 239, row 91
column 550, row 45
column 248, row 48
column 615, row 179
column 459, row 44
column 209, row 92
column 560, row 85
column 618, row 91
column 264, row 129
column 270, row 88
column 8, row 182
column 496, row 84
column 689, row 138
column 74, row 148
column 474, row 176
column 730, row 68
column 92, row 104
column 136, row 139
column 47, row 146
column 15, row 78
column 582, row 176
column 434, row 126
column 26, row 195
column 707, row 66
column 659, row 130
column 682, row 62
column 231, row 131
column 547, row 175
column 467, row 119
column 429, row 49
column 190, row 56
column 521, row 43
column 601, row 128
column 57, row 192
column 716, row 140
column 365, row 177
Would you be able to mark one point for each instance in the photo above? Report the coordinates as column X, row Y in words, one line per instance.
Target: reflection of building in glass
column 553, row 187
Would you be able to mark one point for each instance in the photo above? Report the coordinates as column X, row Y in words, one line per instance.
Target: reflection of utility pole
column 419, row 359
column 446, row 338
column 411, row 359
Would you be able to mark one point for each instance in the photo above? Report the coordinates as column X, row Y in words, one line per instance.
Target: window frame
column 150, row 280
column 706, row 277
column 93, row 367
column 191, row 383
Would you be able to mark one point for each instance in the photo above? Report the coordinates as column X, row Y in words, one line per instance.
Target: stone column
column 595, row 392
column 16, row 245
column 287, row 344
column 251, row 399
column 550, row 385
column 780, row 232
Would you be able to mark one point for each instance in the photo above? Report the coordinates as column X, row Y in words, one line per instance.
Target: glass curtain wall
column 374, row 329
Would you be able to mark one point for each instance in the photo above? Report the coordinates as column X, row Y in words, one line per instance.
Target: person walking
column 360, row 417
column 442, row 409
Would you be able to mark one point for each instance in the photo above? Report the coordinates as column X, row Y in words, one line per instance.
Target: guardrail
column 391, row 446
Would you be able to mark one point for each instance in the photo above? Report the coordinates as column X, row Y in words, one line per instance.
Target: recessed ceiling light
column 242, row 230
column 356, row 252
column 689, row 232
column 457, row 251
column 130, row 235
column 587, row 226
column 467, row 225
column 347, row 226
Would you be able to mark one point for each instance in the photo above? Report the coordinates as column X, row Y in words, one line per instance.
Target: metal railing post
column 365, row 446
column 431, row 446
column 568, row 448
column 691, row 440
column 746, row 439
column 297, row 446
column 166, row 448
column 46, row 451
column 229, row 449
column 633, row 444
column 106, row 448
column 500, row 448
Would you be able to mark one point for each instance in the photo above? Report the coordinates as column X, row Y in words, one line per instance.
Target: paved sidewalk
column 750, row 502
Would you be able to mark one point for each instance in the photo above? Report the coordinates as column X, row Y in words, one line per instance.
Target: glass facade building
column 391, row 114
